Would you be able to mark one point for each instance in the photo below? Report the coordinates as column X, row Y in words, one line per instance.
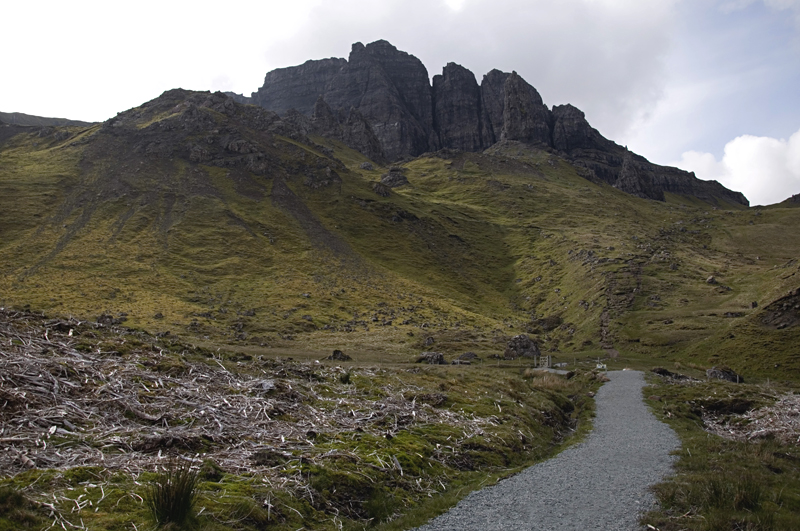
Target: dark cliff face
column 457, row 111
column 525, row 117
column 297, row 87
column 571, row 131
column 379, row 102
column 390, row 89
column 349, row 127
column 493, row 96
column 613, row 164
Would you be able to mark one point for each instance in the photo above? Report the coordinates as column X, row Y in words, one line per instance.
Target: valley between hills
column 175, row 280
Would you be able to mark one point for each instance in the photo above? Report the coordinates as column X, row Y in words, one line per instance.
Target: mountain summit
column 387, row 90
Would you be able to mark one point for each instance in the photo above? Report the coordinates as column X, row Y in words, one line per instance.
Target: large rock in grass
column 724, row 373
column 432, row 358
column 521, row 346
column 394, row 178
column 338, row 355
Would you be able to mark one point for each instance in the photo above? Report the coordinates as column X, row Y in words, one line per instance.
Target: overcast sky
column 708, row 85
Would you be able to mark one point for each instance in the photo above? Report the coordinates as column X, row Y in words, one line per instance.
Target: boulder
column 338, row 355
column 432, row 358
column 394, row 178
column 521, row 346
column 381, row 189
column 723, row 373
column 668, row 374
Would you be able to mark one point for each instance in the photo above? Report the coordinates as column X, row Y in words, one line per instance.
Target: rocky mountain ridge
column 380, row 102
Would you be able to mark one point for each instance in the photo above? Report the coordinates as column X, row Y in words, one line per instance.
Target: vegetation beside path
column 739, row 465
column 96, row 414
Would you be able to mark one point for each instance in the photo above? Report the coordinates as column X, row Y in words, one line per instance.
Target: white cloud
column 779, row 5
column 729, row 6
column 766, row 170
column 455, row 5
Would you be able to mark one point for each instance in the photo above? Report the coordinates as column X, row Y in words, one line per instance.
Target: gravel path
column 600, row 483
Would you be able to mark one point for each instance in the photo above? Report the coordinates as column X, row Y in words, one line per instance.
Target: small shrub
column 345, row 378
column 171, row 496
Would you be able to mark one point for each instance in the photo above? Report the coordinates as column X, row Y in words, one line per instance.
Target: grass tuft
column 171, row 496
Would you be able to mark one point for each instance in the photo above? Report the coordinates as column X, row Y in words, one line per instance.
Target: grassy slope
column 485, row 243
column 477, row 248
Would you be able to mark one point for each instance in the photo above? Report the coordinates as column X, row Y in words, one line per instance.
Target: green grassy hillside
column 223, row 223
column 171, row 279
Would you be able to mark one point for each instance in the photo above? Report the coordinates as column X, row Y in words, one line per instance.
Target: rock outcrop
column 525, row 117
column 784, row 312
column 521, row 346
column 380, row 102
column 457, row 111
column 351, row 128
column 493, row 97
column 613, row 164
column 432, row 358
column 723, row 373
column 394, row 178
column 297, row 87
column 239, row 98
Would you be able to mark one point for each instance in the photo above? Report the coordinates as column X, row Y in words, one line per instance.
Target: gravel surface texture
column 601, row 483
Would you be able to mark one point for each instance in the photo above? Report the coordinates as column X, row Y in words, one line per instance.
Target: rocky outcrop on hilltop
column 457, row 110
column 613, row 164
column 525, row 117
column 381, row 103
column 297, row 87
column 493, row 97
column 388, row 87
column 239, row 98
column 208, row 129
column 571, row 131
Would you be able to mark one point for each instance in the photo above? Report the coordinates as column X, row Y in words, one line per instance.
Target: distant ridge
column 18, row 118
column 389, row 91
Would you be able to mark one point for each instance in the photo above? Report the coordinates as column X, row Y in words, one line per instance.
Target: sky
column 710, row 86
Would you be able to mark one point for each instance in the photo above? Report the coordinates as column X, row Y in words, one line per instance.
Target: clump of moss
column 18, row 512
